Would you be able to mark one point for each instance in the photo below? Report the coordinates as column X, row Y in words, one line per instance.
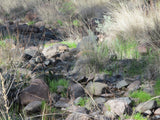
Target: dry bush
column 54, row 11
column 93, row 57
column 88, row 9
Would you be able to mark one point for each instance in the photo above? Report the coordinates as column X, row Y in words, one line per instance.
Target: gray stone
column 30, row 52
column 32, row 61
column 117, row 106
column 76, row 91
column 125, row 99
column 148, row 112
column 37, row 91
column 100, row 100
column 33, row 107
column 47, row 62
column 101, row 77
column 95, row 88
column 62, row 104
column 60, row 89
column 77, row 100
column 157, row 111
column 146, row 106
column 109, row 115
column 121, row 84
column 53, row 50
column 134, row 86
column 80, row 114
column 40, row 59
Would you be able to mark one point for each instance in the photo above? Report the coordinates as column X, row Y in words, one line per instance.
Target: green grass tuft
column 70, row 44
column 82, row 102
column 53, row 84
column 2, row 44
column 141, row 96
column 157, row 87
column 31, row 23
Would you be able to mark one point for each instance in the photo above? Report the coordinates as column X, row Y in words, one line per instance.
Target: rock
column 109, row 115
column 37, row 91
column 77, row 100
column 29, row 53
column 60, row 89
column 134, row 86
column 33, row 107
column 149, row 87
column 125, row 99
column 65, row 56
column 40, row 59
column 79, row 114
column 121, row 84
column 101, row 77
column 47, row 62
column 30, row 16
column 100, row 100
column 148, row 112
column 95, row 88
column 76, row 91
column 62, row 104
column 54, row 50
column 55, row 97
column 117, row 106
column 157, row 111
column 32, row 61
column 146, row 106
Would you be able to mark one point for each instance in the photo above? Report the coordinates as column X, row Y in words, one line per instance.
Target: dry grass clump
column 133, row 23
column 88, row 9
column 16, row 7
column 93, row 57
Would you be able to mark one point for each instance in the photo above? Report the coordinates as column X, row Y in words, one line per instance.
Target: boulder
column 96, row 88
column 117, row 106
column 146, row 106
column 121, row 84
column 37, row 91
column 54, row 50
column 33, row 107
column 76, row 91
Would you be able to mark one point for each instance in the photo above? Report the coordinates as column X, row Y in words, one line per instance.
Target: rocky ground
column 100, row 96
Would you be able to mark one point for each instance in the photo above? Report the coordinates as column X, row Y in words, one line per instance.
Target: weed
column 70, row 44
column 126, row 49
column 157, row 87
column 76, row 23
column 141, row 96
column 2, row 44
column 136, row 116
column 31, row 23
column 136, row 67
column 48, row 45
column 53, row 84
column 82, row 102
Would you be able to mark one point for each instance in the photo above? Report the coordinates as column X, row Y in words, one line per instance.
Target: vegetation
column 53, row 84
column 157, row 87
column 136, row 116
column 70, row 44
column 109, row 33
column 82, row 102
column 141, row 96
